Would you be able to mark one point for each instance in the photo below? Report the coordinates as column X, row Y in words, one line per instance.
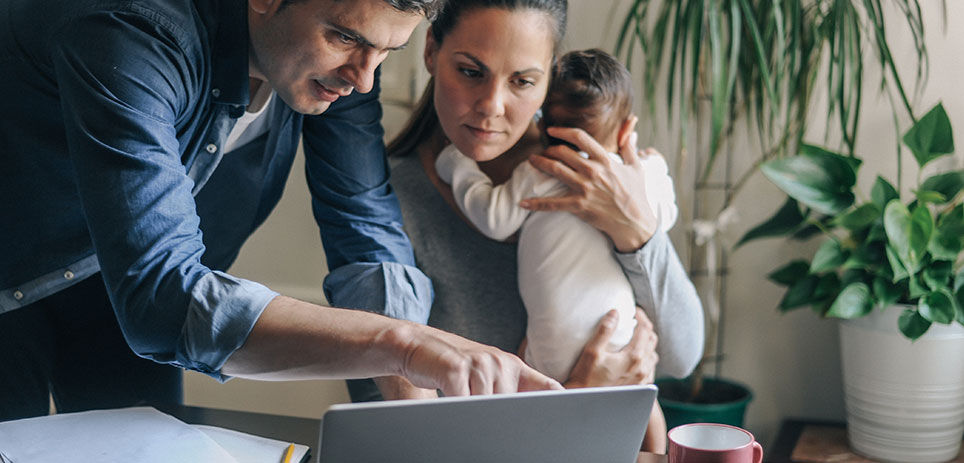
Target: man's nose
column 360, row 70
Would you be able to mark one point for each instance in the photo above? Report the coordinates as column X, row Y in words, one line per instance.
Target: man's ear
column 431, row 51
column 264, row 6
column 625, row 130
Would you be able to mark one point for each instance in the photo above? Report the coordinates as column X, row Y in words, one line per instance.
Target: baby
column 568, row 276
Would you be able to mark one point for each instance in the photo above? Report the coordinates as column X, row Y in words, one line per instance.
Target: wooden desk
column 802, row 440
column 299, row 430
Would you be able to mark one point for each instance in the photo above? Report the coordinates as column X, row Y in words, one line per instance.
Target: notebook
column 577, row 425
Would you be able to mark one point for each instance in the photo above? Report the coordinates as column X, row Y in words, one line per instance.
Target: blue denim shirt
column 115, row 113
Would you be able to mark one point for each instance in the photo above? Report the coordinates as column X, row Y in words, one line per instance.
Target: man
column 142, row 142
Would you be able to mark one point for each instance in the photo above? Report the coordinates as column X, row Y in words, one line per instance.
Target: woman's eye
column 524, row 83
column 470, row 73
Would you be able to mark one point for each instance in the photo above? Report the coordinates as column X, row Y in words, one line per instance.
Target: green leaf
column 817, row 151
column 859, row 218
column 947, row 240
column 799, row 294
column 937, row 307
column 914, row 288
column 948, row 184
column 790, row 273
column 829, row 256
column 931, row 137
column 785, row 221
column 828, row 285
column 886, row 292
column 912, row 324
column 937, row 275
column 867, row 255
column 930, row 197
column 907, row 234
column 853, row 302
column 883, row 192
column 897, row 267
column 820, row 180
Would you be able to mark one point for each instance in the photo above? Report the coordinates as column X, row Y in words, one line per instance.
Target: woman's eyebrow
column 483, row 67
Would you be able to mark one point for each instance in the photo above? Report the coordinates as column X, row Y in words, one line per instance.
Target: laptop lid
column 576, row 425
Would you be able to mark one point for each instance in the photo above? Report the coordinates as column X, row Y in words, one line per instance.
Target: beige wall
column 790, row 361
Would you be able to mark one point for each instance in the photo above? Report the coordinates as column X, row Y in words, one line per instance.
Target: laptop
column 577, row 425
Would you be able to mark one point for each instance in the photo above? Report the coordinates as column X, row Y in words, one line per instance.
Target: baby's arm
column 494, row 210
column 659, row 190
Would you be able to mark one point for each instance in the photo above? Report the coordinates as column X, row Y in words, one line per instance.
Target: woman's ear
column 431, row 51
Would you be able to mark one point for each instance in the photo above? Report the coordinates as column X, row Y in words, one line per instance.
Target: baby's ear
column 626, row 129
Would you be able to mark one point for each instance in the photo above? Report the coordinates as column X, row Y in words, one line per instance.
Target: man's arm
column 369, row 255
column 298, row 340
column 126, row 78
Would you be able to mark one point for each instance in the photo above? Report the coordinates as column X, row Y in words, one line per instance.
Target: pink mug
column 713, row 443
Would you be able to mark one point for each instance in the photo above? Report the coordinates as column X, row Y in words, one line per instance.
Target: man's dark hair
column 591, row 90
column 428, row 8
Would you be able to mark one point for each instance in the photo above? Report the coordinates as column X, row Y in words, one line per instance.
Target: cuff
column 388, row 288
column 642, row 259
column 222, row 312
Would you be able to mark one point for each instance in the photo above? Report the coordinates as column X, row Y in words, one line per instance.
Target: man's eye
column 345, row 38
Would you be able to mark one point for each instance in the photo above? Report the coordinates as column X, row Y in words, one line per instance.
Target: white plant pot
column 905, row 400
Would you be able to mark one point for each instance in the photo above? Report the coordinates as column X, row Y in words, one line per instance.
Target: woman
column 490, row 61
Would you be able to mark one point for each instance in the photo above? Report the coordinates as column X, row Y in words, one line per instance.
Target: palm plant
column 760, row 61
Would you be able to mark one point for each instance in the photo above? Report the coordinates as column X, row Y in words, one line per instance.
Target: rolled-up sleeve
column 668, row 297
column 222, row 312
column 369, row 255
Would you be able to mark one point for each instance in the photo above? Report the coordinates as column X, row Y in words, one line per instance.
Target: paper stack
column 140, row 434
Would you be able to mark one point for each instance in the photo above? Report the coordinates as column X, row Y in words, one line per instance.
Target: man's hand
column 461, row 367
column 633, row 364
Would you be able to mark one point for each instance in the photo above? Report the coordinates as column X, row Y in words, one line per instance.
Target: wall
column 790, row 361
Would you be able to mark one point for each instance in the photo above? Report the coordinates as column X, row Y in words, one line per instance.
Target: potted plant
column 890, row 266
column 758, row 61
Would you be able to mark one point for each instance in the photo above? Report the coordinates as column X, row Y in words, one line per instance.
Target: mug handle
column 757, row 452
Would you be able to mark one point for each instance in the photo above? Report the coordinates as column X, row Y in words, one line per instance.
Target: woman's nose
column 491, row 101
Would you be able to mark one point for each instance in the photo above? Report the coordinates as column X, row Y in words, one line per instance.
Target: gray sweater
column 476, row 292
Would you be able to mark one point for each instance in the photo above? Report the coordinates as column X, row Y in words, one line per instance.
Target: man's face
column 314, row 51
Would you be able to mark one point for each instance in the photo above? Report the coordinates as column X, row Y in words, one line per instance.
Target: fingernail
column 525, row 204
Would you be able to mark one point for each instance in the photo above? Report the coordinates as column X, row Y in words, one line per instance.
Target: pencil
column 288, row 452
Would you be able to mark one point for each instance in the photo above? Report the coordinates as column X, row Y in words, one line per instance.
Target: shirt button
column 69, row 275
column 17, row 295
column 216, row 92
column 212, row 148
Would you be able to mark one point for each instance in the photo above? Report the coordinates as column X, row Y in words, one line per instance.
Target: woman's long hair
column 424, row 120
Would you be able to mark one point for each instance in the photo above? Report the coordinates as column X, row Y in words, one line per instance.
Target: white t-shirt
column 252, row 125
column 568, row 275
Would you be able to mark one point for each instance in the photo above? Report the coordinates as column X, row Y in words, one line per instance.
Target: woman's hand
column 633, row 364
column 608, row 195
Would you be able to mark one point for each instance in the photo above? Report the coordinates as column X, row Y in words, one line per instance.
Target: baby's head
column 593, row 91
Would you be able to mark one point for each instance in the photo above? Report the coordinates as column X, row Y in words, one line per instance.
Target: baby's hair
column 590, row 90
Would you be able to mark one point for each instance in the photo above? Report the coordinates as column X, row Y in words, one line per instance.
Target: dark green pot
column 720, row 401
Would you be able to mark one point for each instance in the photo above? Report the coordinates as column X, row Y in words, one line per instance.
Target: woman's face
column 491, row 75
